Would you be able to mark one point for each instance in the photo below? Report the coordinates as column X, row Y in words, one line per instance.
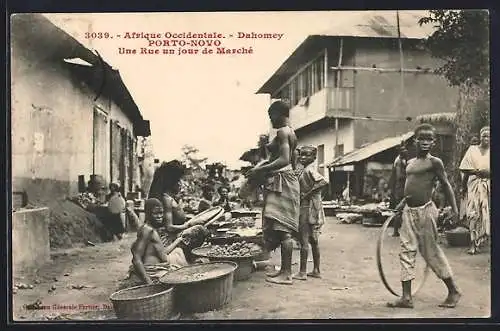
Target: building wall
column 379, row 94
column 313, row 111
column 52, row 126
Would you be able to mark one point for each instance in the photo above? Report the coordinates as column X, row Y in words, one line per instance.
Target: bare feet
column 273, row 274
column 314, row 274
column 395, row 234
column 471, row 251
column 451, row 301
column 401, row 303
column 300, row 276
column 281, row 279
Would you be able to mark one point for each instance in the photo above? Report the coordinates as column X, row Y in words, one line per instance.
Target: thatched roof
column 437, row 118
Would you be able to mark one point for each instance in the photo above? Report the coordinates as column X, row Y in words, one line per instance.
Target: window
column 309, row 81
column 339, row 150
column 320, row 74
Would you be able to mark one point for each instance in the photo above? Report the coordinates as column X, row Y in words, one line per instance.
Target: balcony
column 326, row 102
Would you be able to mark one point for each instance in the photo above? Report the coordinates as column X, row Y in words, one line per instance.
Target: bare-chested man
column 418, row 230
column 150, row 258
column 281, row 191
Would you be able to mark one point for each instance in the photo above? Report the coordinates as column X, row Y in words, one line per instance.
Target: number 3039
column 97, row 35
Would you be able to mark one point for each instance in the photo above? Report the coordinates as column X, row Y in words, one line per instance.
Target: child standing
column 312, row 216
column 419, row 216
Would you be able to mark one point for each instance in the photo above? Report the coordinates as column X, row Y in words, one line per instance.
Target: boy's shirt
column 308, row 178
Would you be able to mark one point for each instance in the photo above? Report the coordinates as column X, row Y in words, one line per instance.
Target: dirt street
column 350, row 287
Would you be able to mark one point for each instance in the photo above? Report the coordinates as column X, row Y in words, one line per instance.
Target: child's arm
column 319, row 183
column 443, row 179
column 138, row 249
column 163, row 251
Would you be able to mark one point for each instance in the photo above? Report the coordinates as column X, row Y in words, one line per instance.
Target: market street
column 350, row 288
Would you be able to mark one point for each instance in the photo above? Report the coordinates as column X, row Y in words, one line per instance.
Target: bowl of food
column 242, row 253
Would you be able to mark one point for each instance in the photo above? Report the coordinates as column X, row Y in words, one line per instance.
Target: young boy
column 419, row 216
column 150, row 258
column 312, row 216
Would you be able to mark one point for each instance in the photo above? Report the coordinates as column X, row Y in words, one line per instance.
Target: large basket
column 144, row 302
column 204, row 294
column 245, row 264
column 458, row 239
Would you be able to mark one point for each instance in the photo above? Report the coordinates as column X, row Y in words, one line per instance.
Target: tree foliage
column 461, row 39
column 190, row 157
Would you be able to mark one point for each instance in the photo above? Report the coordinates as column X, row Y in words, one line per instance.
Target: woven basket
column 207, row 294
column 144, row 302
column 245, row 266
column 458, row 239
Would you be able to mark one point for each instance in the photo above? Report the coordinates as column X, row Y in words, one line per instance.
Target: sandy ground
column 350, row 287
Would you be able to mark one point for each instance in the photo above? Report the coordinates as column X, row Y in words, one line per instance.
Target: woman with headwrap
column 476, row 166
column 165, row 187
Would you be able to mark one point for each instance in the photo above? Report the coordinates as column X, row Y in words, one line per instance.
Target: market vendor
column 165, row 187
column 150, row 258
column 224, row 199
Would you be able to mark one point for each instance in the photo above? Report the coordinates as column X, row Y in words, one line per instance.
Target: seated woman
column 150, row 258
column 165, row 187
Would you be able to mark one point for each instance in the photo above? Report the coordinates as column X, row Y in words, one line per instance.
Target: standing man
column 398, row 178
column 281, row 192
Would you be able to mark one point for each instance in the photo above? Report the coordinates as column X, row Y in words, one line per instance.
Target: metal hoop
column 379, row 262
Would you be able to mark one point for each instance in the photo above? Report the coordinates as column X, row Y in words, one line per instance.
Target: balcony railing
column 340, row 99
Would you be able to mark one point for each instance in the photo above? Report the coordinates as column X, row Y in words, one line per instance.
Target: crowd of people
column 293, row 209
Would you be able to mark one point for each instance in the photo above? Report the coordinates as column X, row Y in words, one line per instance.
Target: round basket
column 207, row 215
column 144, row 302
column 244, row 263
column 202, row 287
column 458, row 239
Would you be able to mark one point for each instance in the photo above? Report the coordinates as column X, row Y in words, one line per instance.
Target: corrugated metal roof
column 369, row 150
column 357, row 24
column 380, row 24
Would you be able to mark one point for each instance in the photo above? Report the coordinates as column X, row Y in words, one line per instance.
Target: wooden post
column 337, row 94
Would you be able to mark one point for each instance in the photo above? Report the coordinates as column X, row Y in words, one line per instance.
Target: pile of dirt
column 70, row 225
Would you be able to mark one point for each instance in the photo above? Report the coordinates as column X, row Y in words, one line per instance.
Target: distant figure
column 312, row 215
column 476, row 169
column 345, row 194
column 396, row 185
column 419, row 214
column 117, row 210
column 224, row 199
